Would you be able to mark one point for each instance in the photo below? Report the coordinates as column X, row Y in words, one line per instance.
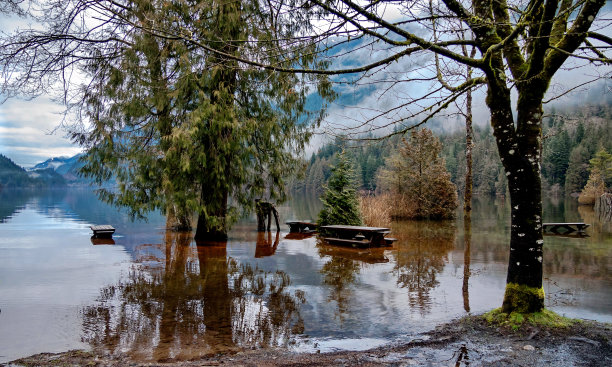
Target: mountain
column 67, row 167
column 14, row 176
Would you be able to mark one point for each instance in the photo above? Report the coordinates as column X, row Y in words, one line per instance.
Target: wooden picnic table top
column 565, row 224
column 103, row 227
column 356, row 228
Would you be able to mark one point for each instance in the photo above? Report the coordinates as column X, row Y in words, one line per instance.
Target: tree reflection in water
column 421, row 251
column 467, row 239
column 339, row 273
column 194, row 301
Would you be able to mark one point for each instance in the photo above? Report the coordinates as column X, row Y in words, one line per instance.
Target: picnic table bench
column 357, row 236
column 299, row 226
column 567, row 227
column 102, row 231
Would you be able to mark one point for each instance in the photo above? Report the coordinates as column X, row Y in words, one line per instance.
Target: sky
column 30, row 130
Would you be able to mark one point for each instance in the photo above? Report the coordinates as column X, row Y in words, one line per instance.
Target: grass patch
column 518, row 321
column 66, row 359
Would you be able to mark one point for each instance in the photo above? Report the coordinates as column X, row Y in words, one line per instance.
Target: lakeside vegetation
column 572, row 137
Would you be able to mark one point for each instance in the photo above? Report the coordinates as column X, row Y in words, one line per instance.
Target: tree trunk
column 467, row 237
column 524, row 292
column 212, row 225
column 469, row 145
column 519, row 149
column 176, row 221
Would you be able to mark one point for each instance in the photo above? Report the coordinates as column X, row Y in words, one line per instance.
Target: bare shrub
column 376, row 210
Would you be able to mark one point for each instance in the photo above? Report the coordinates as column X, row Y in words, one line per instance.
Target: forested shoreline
column 572, row 136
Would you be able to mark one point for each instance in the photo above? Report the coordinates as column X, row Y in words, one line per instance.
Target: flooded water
column 156, row 296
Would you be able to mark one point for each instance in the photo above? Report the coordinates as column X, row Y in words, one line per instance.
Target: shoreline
column 467, row 341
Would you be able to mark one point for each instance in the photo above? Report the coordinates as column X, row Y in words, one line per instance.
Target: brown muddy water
column 156, row 296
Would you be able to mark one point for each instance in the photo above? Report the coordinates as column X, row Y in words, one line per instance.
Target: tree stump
column 264, row 211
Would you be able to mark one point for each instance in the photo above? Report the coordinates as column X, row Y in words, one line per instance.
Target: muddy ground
column 466, row 342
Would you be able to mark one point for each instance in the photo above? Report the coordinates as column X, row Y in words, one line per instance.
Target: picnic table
column 300, row 226
column 566, row 227
column 357, row 236
column 102, row 231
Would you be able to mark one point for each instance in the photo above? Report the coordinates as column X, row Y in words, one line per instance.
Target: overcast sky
column 30, row 133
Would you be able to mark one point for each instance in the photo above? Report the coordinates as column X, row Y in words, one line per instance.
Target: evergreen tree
column 599, row 179
column 340, row 202
column 418, row 181
column 188, row 131
column 557, row 158
column 577, row 170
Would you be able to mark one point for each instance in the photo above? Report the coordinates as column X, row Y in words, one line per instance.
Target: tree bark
column 519, row 149
column 467, row 237
column 469, row 145
column 212, row 226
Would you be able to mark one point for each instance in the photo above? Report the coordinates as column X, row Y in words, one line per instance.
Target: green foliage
column 601, row 165
column 567, row 149
column 417, row 179
column 523, row 298
column 14, row 176
column 599, row 179
column 556, row 155
column 577, row 172
column 523, row 321
column 185, row 131
column 340, row 202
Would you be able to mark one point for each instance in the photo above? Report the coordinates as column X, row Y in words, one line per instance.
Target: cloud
column 363, row 100
column 30, row 131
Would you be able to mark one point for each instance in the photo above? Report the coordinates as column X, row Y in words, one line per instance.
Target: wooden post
column 265, row 210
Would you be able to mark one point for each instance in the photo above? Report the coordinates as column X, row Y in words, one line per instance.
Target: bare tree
column 521, row 45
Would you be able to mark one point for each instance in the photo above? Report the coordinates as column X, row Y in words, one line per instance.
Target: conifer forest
column 397, row 119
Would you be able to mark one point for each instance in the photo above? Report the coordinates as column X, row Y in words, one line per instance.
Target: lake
column 156, row 296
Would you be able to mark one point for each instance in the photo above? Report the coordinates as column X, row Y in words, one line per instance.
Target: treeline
column 14, row 176
column 570, row 138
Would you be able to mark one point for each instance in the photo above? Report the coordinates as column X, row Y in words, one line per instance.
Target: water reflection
column 156, row 295
column 467, row 241
column 421, row 254
column 599, row 225
column 264, row 245
column 12, row 201
column 339, row 274
column 200, row 302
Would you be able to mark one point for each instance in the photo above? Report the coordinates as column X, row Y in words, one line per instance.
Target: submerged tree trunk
column 212, row 225
column 177, row 220
column 265, row 211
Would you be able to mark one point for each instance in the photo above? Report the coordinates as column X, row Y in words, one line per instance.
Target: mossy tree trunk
column 550, row 41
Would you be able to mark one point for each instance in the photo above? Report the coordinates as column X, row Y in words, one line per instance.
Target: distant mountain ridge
column 54, row 172
column 67, row 167
column 14, row 176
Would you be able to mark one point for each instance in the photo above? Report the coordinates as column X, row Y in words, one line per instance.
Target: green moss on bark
column 517, row 320
column 523, row 299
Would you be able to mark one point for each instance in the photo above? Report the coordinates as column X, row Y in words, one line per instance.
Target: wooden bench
column 357, row 236
column 374, row 255
column 102, row 231
column 567, row 227
column 301, row 226
column 355, row 243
